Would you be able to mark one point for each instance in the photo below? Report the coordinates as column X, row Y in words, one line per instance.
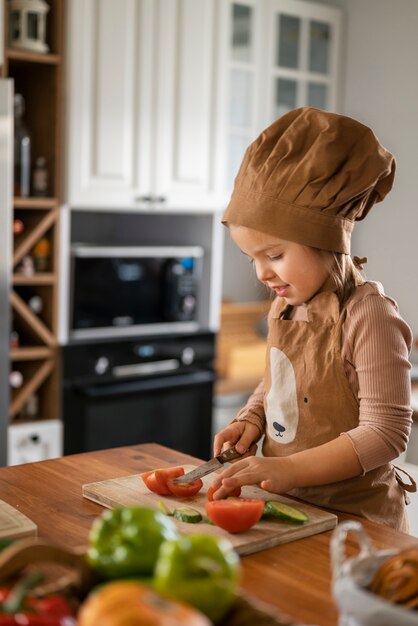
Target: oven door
column 173, row 410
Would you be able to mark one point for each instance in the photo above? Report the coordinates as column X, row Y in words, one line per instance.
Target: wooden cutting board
column 131, row 491
column 13, row 524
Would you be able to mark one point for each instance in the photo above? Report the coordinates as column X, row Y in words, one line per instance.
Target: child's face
column 294, row 272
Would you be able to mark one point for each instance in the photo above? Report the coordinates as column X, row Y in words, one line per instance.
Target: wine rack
column 34, row 356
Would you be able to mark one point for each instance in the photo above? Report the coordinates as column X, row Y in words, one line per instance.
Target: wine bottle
column 22, row 149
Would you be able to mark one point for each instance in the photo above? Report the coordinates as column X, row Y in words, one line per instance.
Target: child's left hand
column 270, row 473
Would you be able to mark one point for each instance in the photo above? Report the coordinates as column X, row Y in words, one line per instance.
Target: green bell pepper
column 125, row 541
column 202, row 570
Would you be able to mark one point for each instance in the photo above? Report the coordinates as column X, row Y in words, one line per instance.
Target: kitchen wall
column 380, row 88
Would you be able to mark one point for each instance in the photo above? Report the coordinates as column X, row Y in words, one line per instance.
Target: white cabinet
column 140, row 104
column 275, row 55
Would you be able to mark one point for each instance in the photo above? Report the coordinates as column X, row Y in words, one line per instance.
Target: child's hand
column 241, row 434
column 270, row 473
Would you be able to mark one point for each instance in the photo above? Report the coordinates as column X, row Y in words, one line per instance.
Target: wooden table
column 294, row 577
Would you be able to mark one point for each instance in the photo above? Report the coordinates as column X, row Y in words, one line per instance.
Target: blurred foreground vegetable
column 202, row 570
column 125, row 541
column 128, row 603
column 18, row 608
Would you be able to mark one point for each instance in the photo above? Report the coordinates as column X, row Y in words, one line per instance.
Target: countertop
column 294, row 577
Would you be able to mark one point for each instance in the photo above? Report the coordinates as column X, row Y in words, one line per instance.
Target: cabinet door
column 141, row 103
column 240, row 84
column 303, row 56
column 275, row 55
column 110, row 109
column 184, row 139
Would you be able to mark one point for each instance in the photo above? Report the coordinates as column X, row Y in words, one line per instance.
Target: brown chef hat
column 308, row 177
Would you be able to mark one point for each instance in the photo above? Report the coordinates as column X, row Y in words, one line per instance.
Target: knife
column 210, row 466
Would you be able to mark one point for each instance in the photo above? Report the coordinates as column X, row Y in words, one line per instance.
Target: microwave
column 125, row 291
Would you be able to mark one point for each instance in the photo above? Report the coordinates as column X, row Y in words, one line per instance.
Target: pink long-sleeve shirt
column 375, row 347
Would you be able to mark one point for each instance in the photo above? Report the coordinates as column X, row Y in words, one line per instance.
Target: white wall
column 381, row 90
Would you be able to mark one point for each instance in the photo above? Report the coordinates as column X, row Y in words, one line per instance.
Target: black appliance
column 124, row 392
column 131, row 291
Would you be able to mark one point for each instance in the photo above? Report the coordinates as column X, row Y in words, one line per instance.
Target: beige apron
column 310, row 403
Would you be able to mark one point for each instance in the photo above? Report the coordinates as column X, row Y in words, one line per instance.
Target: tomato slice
column 235, row 493
column 235, row 515
column 156, row 480
column 184, row 490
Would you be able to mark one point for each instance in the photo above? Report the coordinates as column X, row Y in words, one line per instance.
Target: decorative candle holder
column 28, row 25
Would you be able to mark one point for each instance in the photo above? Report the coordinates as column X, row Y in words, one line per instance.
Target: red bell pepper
column 17, row 608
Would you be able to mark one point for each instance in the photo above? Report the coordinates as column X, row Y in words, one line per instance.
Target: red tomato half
column 156, row 480
column 184, row 490
column 235, row 493
column 235, row 515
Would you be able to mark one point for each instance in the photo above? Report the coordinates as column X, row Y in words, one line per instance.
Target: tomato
column 235, row 493
column 235, row 515
column 156, row 480
column 184, row 490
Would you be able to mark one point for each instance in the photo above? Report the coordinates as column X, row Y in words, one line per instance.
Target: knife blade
column 209, row 467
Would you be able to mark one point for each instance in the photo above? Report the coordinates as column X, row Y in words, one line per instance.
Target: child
column 334, row 405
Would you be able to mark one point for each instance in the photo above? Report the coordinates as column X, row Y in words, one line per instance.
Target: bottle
column 18, row 227
column 14, row 340
column 40, row 178
column 41, row 255
column 22, row 149
column 36, row 304
column 15, row 379
column 26, row 266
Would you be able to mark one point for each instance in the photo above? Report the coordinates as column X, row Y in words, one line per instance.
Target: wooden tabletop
column 293, row 577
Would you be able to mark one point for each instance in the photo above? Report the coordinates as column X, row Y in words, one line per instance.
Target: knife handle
column 228, row 455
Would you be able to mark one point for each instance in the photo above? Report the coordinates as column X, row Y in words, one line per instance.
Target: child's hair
column 344, row 273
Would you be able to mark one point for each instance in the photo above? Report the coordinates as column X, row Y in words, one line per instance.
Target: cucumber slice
column 163, row 508
column 279, row 510
column 187, row 514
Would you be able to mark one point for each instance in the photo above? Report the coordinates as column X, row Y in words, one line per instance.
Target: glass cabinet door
column 241, row 82
column 275, row 55
column 303, row 63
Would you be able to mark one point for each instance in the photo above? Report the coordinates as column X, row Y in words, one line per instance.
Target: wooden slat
column 44, row 278
column 35, row 234
column 35, row 203
column 36, row 324
column 30, row 387
column 30, row 354
column 33, row 57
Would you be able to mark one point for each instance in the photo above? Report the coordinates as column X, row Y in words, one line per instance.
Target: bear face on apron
column 308, row 402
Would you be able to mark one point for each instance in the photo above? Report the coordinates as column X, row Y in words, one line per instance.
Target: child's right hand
column 242, row 434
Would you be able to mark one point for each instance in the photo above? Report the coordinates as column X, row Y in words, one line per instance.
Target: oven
column 120, row 392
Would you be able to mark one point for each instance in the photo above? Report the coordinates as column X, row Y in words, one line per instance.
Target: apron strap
column 411, row 487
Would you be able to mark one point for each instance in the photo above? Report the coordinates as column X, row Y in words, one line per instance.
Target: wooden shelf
column 16, row 54
column 35, row 203
column 45, row 278
column 39, row 78
column 30, row 354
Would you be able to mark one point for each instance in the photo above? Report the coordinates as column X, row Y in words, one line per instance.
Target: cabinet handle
column 143, row 199
column 156, row 199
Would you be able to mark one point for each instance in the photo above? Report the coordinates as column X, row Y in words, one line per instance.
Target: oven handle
column 142, row 369
column 138, row 386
